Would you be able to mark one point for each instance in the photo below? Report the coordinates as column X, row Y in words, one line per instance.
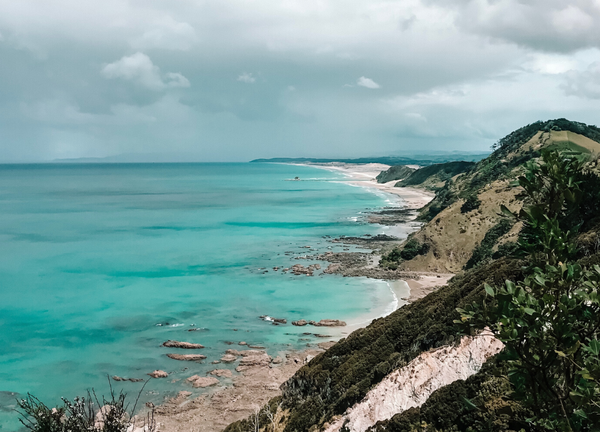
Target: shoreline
column 239, row 396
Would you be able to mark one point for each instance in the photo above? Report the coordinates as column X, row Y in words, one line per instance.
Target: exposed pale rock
column 412, row 385
column 187, row 357
column 184, row 345
column 242, row 343
column 228, row 358
column 277, row 360
column 158, row 374
column 202, row 382
column 233, row 352
column 221, row 373
column 252, row 359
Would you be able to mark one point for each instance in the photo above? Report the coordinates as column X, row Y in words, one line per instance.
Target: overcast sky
column 232, row 80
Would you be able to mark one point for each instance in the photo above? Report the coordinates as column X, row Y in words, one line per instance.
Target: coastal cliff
column 416, row 369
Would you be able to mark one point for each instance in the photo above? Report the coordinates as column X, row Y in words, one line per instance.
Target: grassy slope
column 453, row 234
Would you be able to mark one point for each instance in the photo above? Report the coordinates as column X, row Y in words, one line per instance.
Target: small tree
column 550, row 322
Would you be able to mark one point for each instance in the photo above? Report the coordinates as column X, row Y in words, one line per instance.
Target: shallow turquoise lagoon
column 93, row 257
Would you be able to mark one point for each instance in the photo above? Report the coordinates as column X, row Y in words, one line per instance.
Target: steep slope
column 434, row 177
column 463, row 224
column 342, row 376
column 397, row 172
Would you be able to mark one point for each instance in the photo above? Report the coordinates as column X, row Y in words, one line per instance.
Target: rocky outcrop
column 187, row 357
column 228, row 358
column 299, row 269
column 328, row 323
column 412, row 385
column 202, row 382
column 118, row 378
column 221, row 373
column 158, row 374
column 184, row 345
column 253, row 358
column 300, row 323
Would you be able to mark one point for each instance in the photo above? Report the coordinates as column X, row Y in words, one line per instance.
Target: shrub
column 84, row 414
column 471, row 203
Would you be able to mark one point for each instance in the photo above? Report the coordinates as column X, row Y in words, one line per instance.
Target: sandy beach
column 239, row 396
column 364, row 175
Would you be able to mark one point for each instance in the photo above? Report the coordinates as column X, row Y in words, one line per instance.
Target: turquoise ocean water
column 93, row 257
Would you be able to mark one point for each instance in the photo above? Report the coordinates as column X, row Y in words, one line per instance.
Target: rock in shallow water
column 228, row 358
column 202, row 382
column 187, row 357
column 158, row 374
column 221, row 373
column 184, row 345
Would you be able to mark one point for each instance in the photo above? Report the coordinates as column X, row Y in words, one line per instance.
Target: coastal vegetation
column 396, row 172
column 532, row 276
column 434, row 177
column 84, row 414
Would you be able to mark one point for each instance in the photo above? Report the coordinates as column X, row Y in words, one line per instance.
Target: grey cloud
column 114, row 77
column 585, row 84
column 549, row 25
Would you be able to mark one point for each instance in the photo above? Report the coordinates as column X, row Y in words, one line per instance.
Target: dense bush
column 471, row 203
column 410, row 250
column 550, row 321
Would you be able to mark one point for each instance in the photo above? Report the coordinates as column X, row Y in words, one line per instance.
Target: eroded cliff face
column 412, row 385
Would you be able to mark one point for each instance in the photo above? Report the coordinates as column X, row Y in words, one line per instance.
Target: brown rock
column 158, row 374
column 328, row 323
column 256, row 347
column 233, row 352
column 184, row 345
column 253, row 359
column 187, row 357
column 215, row 362
column 322, row 335
column 243, row 343
column 277, row 360
column 300, row 323
column 221, row 373
column 118, row 378
column 280, row 320
column 202, row 382
column 228, row 358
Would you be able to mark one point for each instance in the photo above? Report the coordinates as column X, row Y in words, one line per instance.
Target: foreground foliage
column 83, row 414
column 550, row 321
